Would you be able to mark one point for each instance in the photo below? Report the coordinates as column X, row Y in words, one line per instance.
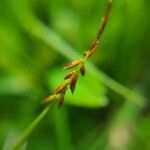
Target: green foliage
column 37, row 38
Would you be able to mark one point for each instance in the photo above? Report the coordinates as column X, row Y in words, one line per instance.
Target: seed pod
column 82, row 70
column 62, row 88
column 48, row 99
column 61, row 99
column 68, row 76
column 72, row 64
column 73, row 81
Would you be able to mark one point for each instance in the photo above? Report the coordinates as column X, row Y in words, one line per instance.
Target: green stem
column 30, row 128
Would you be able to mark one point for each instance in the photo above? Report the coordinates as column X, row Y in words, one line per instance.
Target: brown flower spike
column 61, row 89
column 73, row 81
column 72, row 64
column 68, row 76
column 78, row 66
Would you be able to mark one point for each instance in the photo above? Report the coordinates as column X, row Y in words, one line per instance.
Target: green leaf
column 89, row 91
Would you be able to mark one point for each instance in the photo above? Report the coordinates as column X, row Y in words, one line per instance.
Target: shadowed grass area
column 37, row 38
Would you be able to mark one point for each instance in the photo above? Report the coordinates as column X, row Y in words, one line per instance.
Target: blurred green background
column 38, row 37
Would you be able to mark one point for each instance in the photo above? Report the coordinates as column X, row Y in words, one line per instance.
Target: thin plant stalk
column 20, row 141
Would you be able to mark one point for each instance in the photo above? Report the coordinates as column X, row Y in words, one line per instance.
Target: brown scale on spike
column 73, row 81
column 72, row 64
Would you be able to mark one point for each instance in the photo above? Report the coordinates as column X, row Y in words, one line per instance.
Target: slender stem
column 104, row 20
column 30, row 128
column 102, row 26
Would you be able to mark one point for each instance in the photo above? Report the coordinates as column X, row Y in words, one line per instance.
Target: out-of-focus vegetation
column 38, row 37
